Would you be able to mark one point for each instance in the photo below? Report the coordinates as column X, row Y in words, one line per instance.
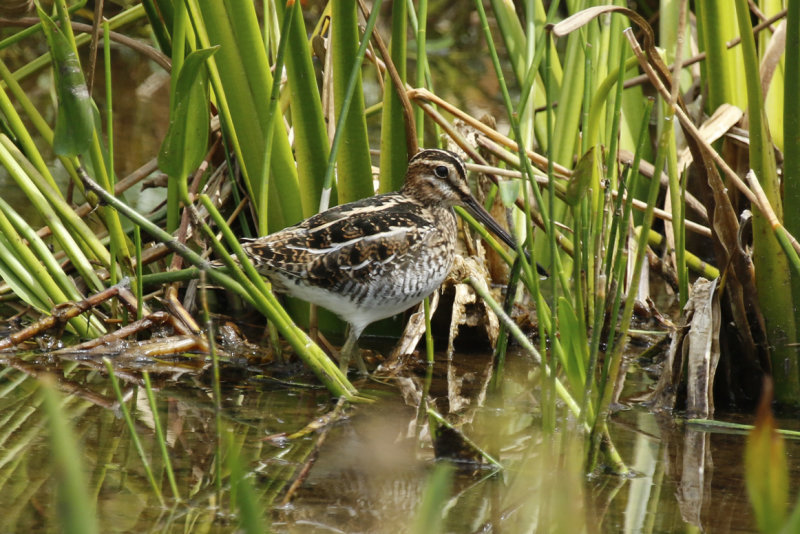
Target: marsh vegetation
column 647, row 159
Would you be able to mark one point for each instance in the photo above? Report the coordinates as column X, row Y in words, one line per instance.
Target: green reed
column 571, row 105
column 77, row 510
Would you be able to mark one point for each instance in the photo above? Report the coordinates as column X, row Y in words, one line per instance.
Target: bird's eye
column 441, row 171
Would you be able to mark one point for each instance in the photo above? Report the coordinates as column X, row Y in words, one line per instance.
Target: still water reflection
column 365, row 469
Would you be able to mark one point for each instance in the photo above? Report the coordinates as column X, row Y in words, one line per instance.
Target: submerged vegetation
column 623, row 156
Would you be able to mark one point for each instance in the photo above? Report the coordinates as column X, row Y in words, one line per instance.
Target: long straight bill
column 483, row 216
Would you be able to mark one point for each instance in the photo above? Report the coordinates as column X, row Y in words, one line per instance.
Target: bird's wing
column 349, row 243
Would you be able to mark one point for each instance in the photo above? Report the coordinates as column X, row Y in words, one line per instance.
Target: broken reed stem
column 62, row 314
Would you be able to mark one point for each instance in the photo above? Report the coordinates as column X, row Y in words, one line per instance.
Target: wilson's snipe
column 376, row 257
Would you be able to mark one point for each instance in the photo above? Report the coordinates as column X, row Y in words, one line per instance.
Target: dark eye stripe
column 444, row 156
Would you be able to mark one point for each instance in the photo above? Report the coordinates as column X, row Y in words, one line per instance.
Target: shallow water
column 368, row 467
column 366, row 470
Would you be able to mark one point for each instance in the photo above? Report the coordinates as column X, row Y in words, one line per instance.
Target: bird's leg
column 349, row 349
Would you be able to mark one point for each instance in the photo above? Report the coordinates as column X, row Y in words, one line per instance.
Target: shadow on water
column 359, row 468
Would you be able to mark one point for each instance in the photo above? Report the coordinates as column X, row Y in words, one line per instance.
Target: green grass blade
column 791, row 129
column 158, row 26
column 354, row 166
column 576, row 350
column 771, row 265
column 394, row 147
column 137, row 443
column 716, row 25
column 184, row 146
column 47, row 280
column 76, row 509
column 22, row 283
column 75, row 121
column 428, row 519
column 44, row 199
column 251, row 519
column 17, row 127
column 272, row 115
column 311, row 140
column 766, row 469
column 240, row 76
column 161, row 438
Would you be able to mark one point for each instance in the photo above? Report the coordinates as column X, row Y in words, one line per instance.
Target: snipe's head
column 437, row 177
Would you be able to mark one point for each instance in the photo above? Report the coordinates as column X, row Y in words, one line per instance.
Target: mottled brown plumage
column 376, row 257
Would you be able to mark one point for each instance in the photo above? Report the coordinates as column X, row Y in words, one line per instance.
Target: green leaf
column 438, row 487
column 587, row 166
column 394, row 147
column 20, row 280
column 793, row 523
column 766, row 470
column 575, row 350
column 353, row 162
column 75, row 120
column 241, row 80
column 76, row 507
column 250, row 510
column 185, row 144
column 509, row 192
column 311, row 145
